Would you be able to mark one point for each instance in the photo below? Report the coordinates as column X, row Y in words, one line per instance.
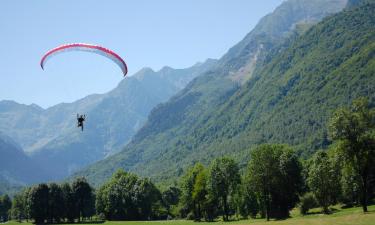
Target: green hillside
column 263, row 90
column 291, row 97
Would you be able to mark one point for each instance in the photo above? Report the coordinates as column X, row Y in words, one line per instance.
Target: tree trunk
column 225, row 215
column 268, row 209
column 268, row 204
column 364, row 192
column 199, row 212
column 195, row 210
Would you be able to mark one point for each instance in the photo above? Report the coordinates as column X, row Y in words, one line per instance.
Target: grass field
column 350, row 216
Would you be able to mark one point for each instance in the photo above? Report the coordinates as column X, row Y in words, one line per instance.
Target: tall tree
column 354, row 129
column 101, row 202
column 5, row 206
column 248, row 202
column 70, row 211
column 323, row 180
column 26, row 195
column 144, row 195
column 224, row 179
column 55, row 203
column 17, row 210
column 38, row 203
column 127, row 197
column 200, row 192
column 187, row 203
column 171, row 197
column 350, row 185
column 83, row 194
column 274, row 172
column 210, row 205
column 20, row 208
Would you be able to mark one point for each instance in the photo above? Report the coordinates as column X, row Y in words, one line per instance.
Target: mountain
column 51, row 138
column 16, row 168
column 229, row 109
column 356, row 3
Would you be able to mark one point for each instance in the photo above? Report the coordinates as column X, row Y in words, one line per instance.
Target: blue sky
column 146, row 33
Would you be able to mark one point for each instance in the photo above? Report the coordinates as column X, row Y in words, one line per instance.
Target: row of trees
column 274, row 181
column 270, row 186
column 54, row 203
column 124, row 197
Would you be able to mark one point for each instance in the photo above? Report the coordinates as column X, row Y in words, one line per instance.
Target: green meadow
column 349, row 216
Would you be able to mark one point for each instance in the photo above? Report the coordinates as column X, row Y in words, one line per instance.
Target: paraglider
column 80, row 120
column 85, row 48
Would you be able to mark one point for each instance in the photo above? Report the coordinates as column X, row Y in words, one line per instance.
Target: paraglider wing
column 86, row 48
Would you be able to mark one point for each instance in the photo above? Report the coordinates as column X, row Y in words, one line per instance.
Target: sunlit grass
column 349, row 216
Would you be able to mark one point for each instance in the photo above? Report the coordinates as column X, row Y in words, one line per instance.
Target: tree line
column 273, row 182
column 54, row 203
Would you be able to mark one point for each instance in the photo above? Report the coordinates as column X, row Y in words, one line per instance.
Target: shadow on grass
column 82, row 222
column 313, row 213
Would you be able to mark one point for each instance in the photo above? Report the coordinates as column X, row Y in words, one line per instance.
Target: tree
column 171, row 197
column 69, row 211
column 26, row 197
column 127, row 197
column 354, row 129
column 144, row 194
column 248, row 203
column 84, row 197
column 274, row 172
column 101, row 202
column 55, row 203
column 323, row 180
column 118, row 196
column 18, row 210
column 187, row 204
column 199, row 192
column 5, row 206
column 210, row 205
column 197, row 199
column 307, row 202
column 224, row 179
column 38, row 203
column 350, row 185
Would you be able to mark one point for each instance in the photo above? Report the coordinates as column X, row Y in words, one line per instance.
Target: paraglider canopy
column 86, row 48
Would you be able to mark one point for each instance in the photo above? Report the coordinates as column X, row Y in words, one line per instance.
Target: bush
column 307, row 202
column 190, row 216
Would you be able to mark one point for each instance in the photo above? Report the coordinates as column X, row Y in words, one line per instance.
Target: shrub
column 190, row 216
column 307, row 202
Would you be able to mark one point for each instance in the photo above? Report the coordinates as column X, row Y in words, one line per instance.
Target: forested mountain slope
column 228, row 110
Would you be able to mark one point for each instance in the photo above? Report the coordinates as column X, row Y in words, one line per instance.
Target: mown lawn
column 350, row 216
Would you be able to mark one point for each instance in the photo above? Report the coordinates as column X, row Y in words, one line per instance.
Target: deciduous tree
column 354, row 128
column 274, row 172
column 224, row 179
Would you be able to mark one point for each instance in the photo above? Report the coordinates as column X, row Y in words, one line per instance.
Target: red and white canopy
column 86, row 48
